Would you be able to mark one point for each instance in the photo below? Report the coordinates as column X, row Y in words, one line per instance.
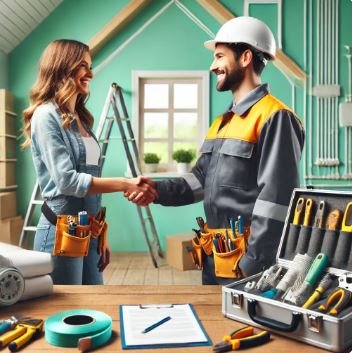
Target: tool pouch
column 99, row 229
column 196, row 254
column 78, row 244
column 71, row 245
column 206, row 241
column 226, row 263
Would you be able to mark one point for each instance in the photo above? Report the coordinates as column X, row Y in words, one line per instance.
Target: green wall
column 3, row 70
column 171, row 42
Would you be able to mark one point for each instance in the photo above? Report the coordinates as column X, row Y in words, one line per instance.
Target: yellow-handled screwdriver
column 347, row 226
column 308, row 212
column 298, row 211
column 323, row 285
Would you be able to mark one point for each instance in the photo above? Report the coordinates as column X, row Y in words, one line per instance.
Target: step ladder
column 115, row 101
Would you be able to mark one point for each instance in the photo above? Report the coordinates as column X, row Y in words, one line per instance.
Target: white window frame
column 203, row 96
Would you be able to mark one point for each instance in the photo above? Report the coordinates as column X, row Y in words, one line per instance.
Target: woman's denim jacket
column 60, row 162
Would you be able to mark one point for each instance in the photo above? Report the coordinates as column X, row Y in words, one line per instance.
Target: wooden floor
column 138, row 269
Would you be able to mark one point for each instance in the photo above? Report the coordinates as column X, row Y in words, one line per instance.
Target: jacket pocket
column 235, row 163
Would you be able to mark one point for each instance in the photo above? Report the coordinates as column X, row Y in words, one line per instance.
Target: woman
column 66, row 155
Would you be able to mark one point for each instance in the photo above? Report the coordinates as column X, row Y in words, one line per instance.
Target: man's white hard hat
column 248, row 30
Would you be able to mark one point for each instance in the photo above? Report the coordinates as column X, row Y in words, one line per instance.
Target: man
column 249, row 161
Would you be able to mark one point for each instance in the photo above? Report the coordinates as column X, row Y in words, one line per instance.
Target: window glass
column 155, row 125
column 185, row 95
column 156, row 95
column 185, row 125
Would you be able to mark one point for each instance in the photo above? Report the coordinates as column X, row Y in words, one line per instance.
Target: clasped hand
column 141, row 191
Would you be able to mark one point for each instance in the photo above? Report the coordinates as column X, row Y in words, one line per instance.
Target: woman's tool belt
column 226, row 248
column 72, row 235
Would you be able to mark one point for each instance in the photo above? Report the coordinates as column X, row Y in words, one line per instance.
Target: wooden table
column 206, row 301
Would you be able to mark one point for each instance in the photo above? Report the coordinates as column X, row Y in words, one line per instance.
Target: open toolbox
column 307, row 294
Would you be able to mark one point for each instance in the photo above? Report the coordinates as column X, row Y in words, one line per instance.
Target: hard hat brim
column 210, row 44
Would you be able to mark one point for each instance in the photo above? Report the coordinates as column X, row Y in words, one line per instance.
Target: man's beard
column 231, row 81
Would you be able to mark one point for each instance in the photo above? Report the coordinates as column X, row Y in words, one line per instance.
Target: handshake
column 141, row 191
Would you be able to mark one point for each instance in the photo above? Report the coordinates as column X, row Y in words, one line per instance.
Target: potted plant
column 183, row 158
column 151, row 161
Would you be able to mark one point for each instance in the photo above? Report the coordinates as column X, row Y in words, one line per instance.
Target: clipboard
column 183, row 329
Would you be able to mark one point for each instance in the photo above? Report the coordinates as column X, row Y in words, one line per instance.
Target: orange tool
column 346, row 222
column 308, row 212
column 298, row 211
column 334, row 220
column 319, row 217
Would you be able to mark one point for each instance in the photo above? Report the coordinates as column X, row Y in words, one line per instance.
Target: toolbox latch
column 237, row 299
column 315, row 323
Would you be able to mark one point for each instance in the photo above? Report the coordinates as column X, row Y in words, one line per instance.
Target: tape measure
column 85, row 329
column 11, row 285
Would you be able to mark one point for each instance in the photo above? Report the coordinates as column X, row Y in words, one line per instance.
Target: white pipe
column 305, row 87
column 310, row 78
column 328, row 68
column 336, row 67
column 325, row 73
column 349, row 151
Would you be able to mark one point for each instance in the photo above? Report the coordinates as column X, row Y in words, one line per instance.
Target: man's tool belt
column 227, row 257
column 76, row 244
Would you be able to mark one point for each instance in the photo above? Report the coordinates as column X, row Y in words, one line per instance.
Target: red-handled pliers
column 242, row 338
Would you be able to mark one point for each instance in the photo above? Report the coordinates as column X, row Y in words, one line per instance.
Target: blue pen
column 232, row 225
column 157, row 324
column 240, row 224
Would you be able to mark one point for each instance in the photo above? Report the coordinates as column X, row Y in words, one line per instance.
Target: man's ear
column 246, row 58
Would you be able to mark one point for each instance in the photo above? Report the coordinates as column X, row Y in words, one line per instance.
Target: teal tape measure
column 85, row 329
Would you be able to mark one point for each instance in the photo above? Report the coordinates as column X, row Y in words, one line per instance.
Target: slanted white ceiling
column 18, row 18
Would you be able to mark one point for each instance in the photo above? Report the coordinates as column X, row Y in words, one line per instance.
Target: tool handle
column 271, row 323
column 298, row 211
column 308, row 212
column 22, row 340
column 345, row 227
column 317, row 267
column 319, row 218
column 5, row 326
column 9, row 336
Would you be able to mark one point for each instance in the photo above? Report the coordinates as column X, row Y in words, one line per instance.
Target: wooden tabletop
column 205, row 299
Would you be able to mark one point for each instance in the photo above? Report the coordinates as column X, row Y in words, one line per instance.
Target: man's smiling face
column 227, row 68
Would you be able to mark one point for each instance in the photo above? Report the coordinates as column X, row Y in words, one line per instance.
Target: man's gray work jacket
column 249, row 165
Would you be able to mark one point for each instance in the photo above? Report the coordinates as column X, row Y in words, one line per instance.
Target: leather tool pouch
column 71, row 245
column 78, row 244
column 225, row 261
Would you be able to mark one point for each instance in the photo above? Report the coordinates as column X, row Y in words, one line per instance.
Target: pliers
column 242, row 338
column 340, row 298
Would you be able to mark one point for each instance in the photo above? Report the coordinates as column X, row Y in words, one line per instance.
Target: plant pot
column 151, row 167
column 183, row 168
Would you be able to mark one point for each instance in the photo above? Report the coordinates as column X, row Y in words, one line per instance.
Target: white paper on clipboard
column 183, row 329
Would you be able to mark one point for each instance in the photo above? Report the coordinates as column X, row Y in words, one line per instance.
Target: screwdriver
column 319, row 217
column 334, row 220
column 201, row 223
column 347, row 226
column 298, row 211
column 308, row 212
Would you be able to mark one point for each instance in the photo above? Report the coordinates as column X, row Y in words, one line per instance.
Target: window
column 172, row 110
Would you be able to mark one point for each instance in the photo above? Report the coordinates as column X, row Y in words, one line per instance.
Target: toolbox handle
column 273, row 324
